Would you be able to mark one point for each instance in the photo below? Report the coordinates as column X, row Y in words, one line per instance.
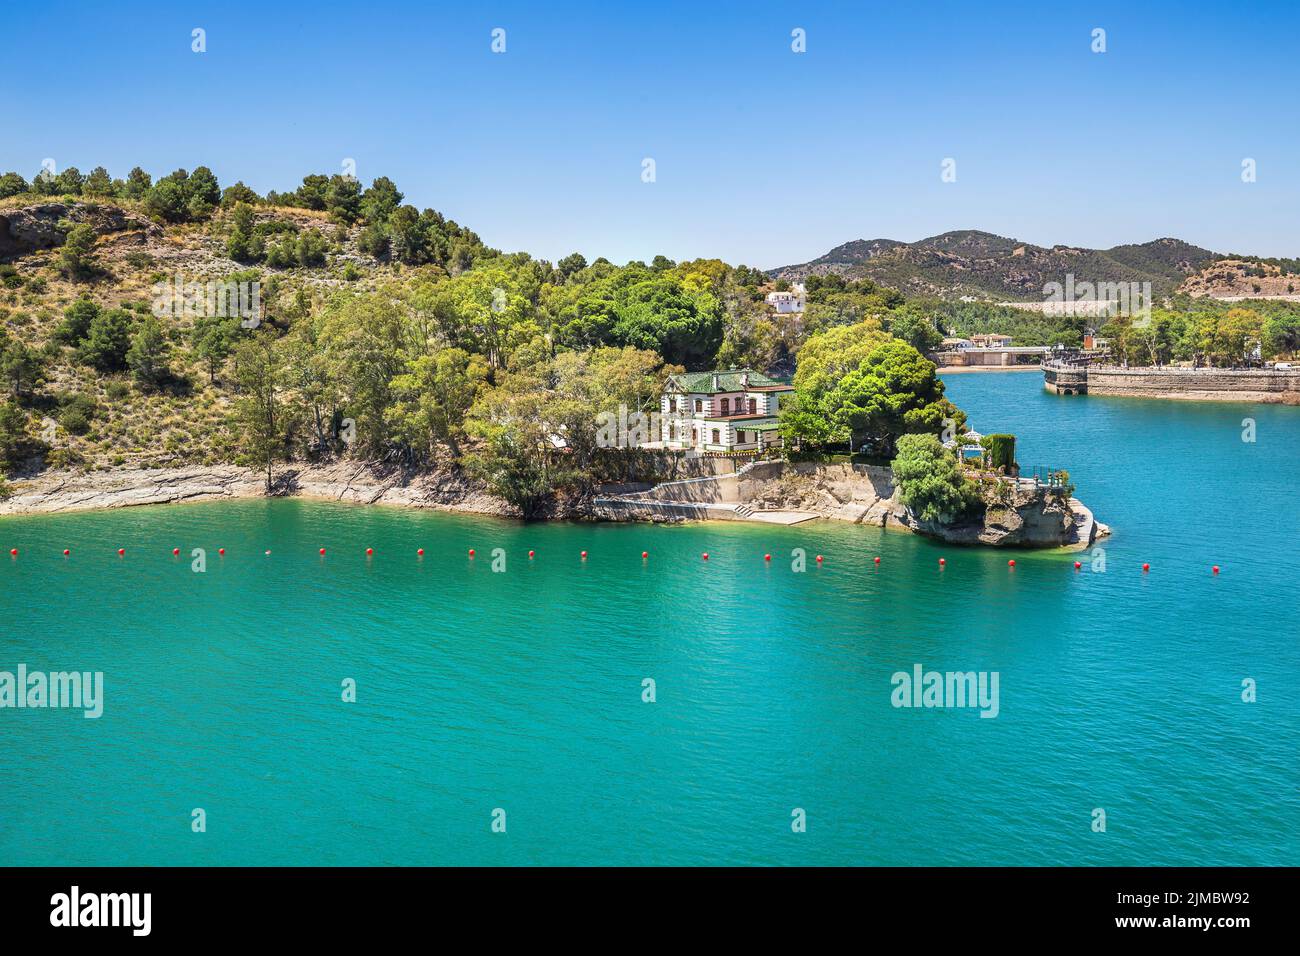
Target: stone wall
column 712, row 490
column 1236, row 385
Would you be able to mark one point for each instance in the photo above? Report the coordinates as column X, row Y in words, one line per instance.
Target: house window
column 699, row 406
column 753, row 406
column 726, row 406
column 672, row 432
column 740, row 438
column 716, row 440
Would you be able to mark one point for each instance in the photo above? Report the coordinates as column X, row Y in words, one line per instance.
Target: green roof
column 765, row 427
column 729, row 380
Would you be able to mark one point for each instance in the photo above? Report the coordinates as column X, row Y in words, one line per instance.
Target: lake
column 520, row 688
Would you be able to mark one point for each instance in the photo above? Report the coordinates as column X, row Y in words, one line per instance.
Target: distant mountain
column 987, row 266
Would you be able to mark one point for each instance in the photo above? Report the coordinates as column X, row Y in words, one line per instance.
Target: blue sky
column 762, row 156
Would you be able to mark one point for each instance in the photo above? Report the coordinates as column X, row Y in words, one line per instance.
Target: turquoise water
column 522, row 690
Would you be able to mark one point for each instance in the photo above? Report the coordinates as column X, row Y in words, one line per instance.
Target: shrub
column 931, row 481
column 76, row 321
column 77, row 256
column 1001, row 451
column 77, row 412
column 107, row 340
column 147, row 357
column 117, row 390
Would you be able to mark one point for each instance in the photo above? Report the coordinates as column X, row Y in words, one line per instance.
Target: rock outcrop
column 33, row 228
column 1024, row 517
column 360, row 483
column 1021, row 516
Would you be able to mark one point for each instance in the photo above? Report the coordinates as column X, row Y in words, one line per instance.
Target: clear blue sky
column 763, row 156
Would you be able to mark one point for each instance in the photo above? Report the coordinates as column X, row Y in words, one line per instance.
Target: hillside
column 990, row 267
column 186, row 419
column 170, row 324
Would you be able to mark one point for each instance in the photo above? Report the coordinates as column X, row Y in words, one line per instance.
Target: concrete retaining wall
column 1240, row 385
column 700, row 490
column 636, row 509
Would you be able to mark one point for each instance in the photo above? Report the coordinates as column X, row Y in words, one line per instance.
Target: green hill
column 985, row 266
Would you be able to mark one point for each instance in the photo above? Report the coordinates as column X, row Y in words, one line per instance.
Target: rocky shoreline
column 60, row 492
column 1023, row 516
column 857, row 494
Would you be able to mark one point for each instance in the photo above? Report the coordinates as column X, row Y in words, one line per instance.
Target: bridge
column 1004, row 357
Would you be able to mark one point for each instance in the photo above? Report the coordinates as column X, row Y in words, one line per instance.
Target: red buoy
column 531, row 553
column 942, row 562
column 420, row 551
column 322, row 551
column 1146, row 567
column 767, row 557
column 369, row 551
column 1216, row 569
column 1011, row 563
column 471, row 552
column 877, row 560
column 705, row 556
column 819, row 559
column 66, row 552
column 221, row 550
column 13, row 551
column 268, row 554
column 1077, row 565
column 645, row 554
column 121, row 551
column 176, row 551
column 584, row 555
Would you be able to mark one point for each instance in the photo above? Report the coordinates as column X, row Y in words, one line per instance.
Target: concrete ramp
column 780, row 517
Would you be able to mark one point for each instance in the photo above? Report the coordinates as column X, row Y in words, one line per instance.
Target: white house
column 787, row 302
column 721, row 411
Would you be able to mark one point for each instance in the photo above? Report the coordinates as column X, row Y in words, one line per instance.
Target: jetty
column 1085, row 377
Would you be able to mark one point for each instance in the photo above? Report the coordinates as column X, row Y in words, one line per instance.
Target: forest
column 393, row 334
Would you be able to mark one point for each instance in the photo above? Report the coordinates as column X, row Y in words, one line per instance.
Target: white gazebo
column 966, row 444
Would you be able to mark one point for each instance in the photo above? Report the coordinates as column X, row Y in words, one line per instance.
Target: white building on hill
column 787, row 302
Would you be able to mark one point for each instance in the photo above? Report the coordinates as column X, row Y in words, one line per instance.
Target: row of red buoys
column 943, row 562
